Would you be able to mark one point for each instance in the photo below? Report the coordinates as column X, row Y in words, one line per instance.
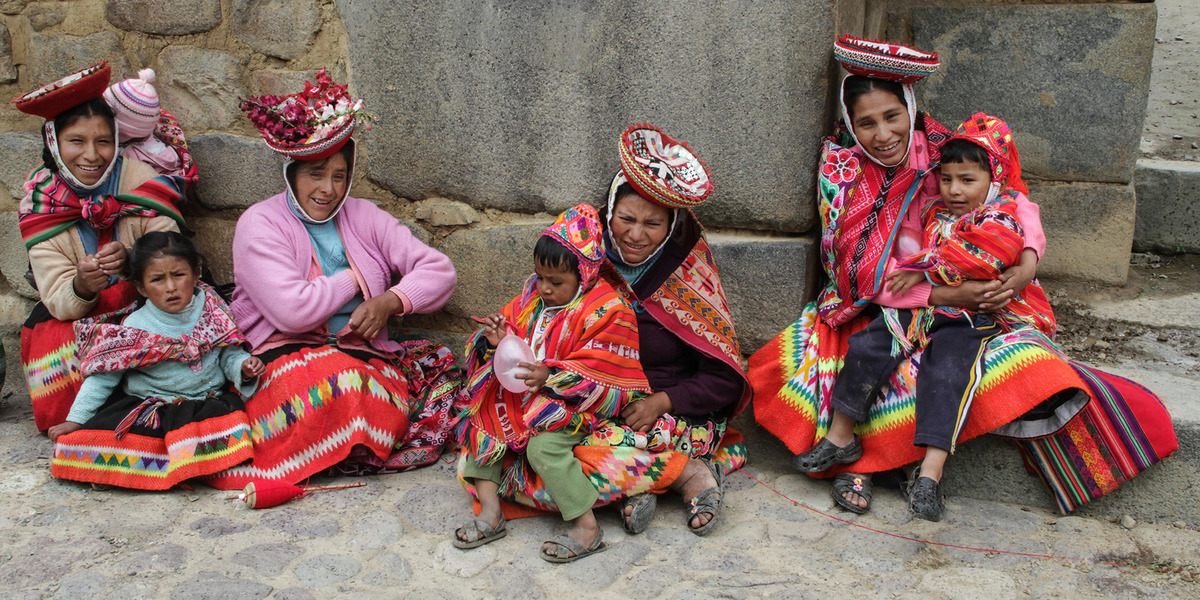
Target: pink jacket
column 273, row 259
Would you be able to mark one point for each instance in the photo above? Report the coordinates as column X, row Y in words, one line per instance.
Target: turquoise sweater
column 169, row 379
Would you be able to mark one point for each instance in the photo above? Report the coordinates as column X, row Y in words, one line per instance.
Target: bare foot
column 695, row 479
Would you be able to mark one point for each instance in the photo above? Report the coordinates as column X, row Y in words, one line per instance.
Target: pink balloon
column 509, row 352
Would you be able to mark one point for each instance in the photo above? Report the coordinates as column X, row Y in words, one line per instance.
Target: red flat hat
column 881, row 60
column 52, row 99
column 663, row 169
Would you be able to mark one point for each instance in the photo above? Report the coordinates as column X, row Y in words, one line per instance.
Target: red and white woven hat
column 663, row 169
column 50, row 100
column 882, row 60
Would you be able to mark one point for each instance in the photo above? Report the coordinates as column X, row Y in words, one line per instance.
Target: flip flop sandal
column 824, row 455
column 846, row 483
column 478, row 533
column 639, row 518
column 706, row 503
column 925, row 499
column 570, row 550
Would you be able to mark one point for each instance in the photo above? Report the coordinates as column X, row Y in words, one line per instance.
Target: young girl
column 584, row 338
column 173, row 417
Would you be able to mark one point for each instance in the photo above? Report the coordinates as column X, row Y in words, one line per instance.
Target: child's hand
column 62, row 429
column 493, row 328
column 537, row 376
column 900, row 281
column 1016, row 277
column 253, row 367
column 111, row 257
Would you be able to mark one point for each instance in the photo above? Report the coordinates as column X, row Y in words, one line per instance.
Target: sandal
column 847, row 483
column 478, row 533
column 824, row 455
column 706, row 503
column 574, row 550
column 639, row 518
column 925, row 497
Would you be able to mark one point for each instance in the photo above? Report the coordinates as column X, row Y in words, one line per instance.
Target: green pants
column 550, row 455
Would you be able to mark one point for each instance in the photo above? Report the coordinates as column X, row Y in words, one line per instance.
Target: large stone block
column 46, row 15
column 1089, row 229
column 518, row 106
column 235, row 172
column 767, row 281
column 492, row 263
column 280, row 28
column 1070, row 79
column 20, row 152
column 8, row 71
column 179, row 17
column 50, row 57
column 279, row 82
column 1168, row 206
column 214, row 238
column 14, row 259
column 199, row 86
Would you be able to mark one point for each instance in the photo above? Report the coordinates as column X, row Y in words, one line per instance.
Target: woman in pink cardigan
column 318, row 274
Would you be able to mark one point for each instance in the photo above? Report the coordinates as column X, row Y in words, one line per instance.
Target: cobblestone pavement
column 391, row 539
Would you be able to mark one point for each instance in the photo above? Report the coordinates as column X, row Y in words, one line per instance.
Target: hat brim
column 881, row 60
column 52, row 99
column 662, row 169
column 316, row 150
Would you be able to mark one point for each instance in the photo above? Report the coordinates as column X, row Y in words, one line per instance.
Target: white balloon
column 509, row 352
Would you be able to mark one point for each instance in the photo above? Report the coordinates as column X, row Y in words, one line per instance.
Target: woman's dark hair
column 345, row 151
column 959, row 150
column 551, row 253
column 162, row 243
column 857, row 86
column 96, row 107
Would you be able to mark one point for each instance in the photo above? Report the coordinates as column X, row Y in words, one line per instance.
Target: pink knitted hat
column 135, row 103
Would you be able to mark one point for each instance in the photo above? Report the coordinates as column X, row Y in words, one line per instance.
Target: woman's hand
column 111, row 257
column 493, row 328
column 372, row 315
column 537, row 376
column 90, row 279
column 971, row 295
column 62, row 429
column 253, row 367
column 900, row 281
column 641, row 415
column 1016, row 277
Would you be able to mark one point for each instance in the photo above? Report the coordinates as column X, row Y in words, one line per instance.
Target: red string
column 918, row 540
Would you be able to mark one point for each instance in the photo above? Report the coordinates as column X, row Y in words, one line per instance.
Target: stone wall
column 493, row 116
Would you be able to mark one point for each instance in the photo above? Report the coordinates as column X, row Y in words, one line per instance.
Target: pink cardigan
column 273, row 258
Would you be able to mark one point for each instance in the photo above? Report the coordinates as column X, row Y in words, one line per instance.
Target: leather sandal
column 852, row 483
column 824, row 455
column 639, row 518
column 569, row 550
column 709, row 501
column 478, row 532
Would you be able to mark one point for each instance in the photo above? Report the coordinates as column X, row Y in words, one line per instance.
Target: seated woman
column 874, row 181
column 316, row 274
column 83, row 208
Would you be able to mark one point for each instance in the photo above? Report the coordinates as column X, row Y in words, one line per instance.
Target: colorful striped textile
column 50, row 356
column 320, row 406
column 1123, row 431
column 793, row 379
column 194, row 438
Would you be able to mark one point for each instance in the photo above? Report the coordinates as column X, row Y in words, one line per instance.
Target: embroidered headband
column 662, row 169
column 578, row 230
column 50, row 100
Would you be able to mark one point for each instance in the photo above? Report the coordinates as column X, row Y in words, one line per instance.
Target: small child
column 584, row 338
column 172, row 416
column 140, row 123
column 971, row 232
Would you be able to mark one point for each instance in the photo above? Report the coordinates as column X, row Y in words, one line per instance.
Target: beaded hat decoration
column 662, row 169
column 135, row 104
column 310, row 125
column 881, row 60
column 995, row 136
column 50, row 100
column 578, row 230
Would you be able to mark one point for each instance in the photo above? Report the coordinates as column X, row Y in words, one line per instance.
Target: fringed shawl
column 591, row 346
column 861, row 205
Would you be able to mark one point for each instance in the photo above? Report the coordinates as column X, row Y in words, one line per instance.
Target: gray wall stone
column 1089, row 229
column 178, row 17
column 46, row 15
column 279, row 82
column 1072, row 80
column 518, row 105
column 214, row 238
column 8, row 71
column 235, row 172
column 20, row 152
column 279, row 28
column 14, row 259
column 200, row 87
column 50, row 57
column 492, row 263
column 1168, row 206
column 767, row 282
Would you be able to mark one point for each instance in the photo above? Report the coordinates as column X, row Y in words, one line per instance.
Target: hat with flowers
column 310, row 125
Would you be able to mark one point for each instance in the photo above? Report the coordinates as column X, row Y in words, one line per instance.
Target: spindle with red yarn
column 265, row 493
